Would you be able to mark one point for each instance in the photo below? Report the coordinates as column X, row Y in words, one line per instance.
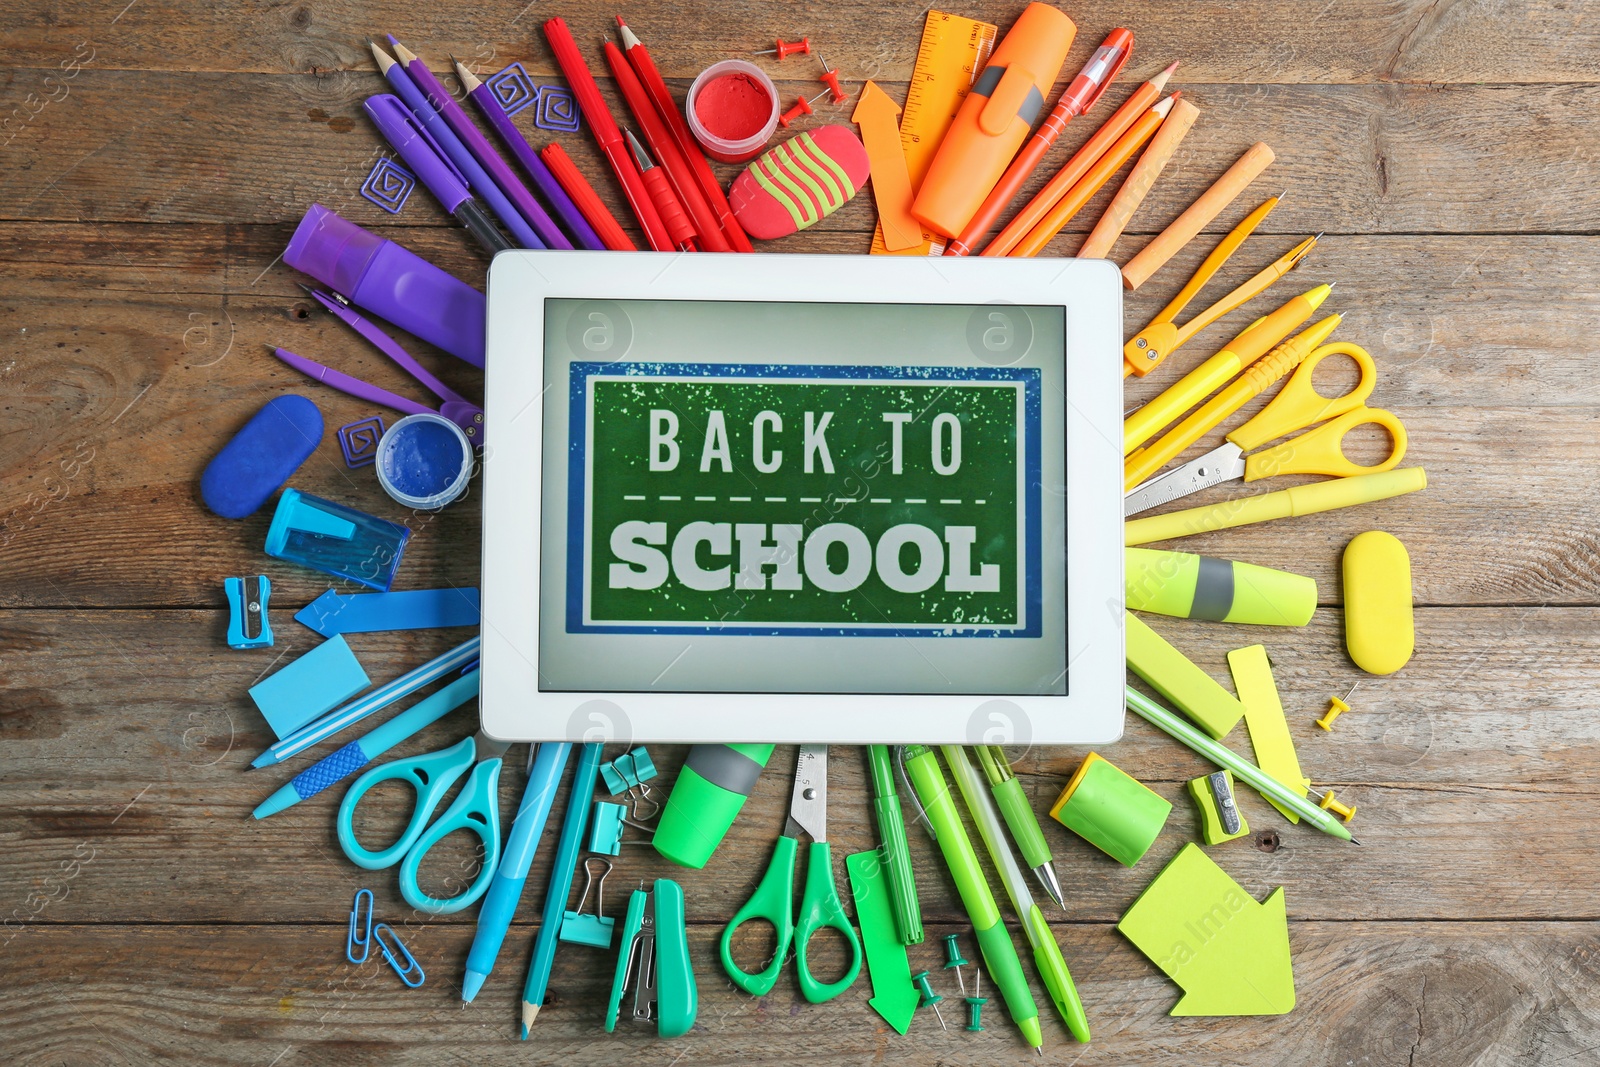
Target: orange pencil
column 1079, row 96
column 1102, row 171
column 1076, row 167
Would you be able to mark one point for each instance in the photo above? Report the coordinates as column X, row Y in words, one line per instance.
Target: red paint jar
column 732, row 109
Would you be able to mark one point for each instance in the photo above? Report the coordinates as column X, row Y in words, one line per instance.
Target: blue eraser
column 261, row 457
column 317, row 682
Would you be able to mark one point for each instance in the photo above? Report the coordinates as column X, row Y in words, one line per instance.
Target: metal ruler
column 952, row 54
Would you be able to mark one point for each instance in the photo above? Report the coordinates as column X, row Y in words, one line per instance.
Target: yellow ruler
column 949, row 59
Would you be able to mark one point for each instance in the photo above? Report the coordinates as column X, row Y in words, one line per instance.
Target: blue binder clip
column 360, row 928
column 247, row 611
column 399, row 957
column 628, row 770
column 605, row 835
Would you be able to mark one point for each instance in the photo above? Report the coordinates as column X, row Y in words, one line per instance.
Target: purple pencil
column 461, row 123
column 497, row 118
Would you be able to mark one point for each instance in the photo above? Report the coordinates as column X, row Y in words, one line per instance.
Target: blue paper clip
column 411, row 965
column 364, row 941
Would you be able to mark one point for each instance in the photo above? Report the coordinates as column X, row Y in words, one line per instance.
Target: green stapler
column 654, row 962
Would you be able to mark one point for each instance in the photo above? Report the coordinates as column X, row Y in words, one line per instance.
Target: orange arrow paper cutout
column 875, row 114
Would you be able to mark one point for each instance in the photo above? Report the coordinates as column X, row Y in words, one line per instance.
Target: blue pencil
column 363, row 750
column 500, row 903
column 555, row 897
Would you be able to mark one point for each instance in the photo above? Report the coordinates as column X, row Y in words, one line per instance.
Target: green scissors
column 476, row 809
column 773, row 900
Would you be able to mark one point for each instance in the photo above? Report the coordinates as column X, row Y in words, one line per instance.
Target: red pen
column 606, row 133
column 666, row 201
column 571, row 179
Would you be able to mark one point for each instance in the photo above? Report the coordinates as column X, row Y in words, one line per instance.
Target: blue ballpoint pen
column 555, row 897
column 344, row 762
column 500, row 904
column 478, row 180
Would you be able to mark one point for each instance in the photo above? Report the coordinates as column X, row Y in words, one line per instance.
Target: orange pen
column 1076, row 167
column 1078, row 97
column 1106, row 166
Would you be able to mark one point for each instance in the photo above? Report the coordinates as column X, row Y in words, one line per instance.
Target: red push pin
column 802, row 106
column 830, row 78
column 786, row 49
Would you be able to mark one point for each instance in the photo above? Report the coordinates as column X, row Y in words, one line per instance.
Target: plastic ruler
column 949, row 59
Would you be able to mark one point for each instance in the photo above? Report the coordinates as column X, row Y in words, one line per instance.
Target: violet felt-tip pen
column 478, row 180
column 432, row 167
column 500, row 903
column 476, row 143
column 569, row 213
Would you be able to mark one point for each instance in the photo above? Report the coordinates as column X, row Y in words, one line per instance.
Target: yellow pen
column 1250, row 345
column 1255, row 380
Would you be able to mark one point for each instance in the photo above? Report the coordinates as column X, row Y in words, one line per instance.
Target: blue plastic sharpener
column 336, row 540
column 247, row 611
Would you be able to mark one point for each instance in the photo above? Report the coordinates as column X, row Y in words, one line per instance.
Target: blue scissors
column 476, row 808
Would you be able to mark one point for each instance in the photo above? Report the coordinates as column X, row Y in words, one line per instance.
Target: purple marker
column 479, row 146
column 432, row 167
column 478, row 179
column 489, row 107
column 381, row 277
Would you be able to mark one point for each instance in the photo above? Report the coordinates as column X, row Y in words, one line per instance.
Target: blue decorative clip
column 247, row 611
column 397, row 954
column 512, row 89
column 557, row 109
column 389, row 185
column 360, row 928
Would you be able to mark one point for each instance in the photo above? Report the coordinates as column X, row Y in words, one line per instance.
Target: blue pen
column 363, row 750
column 362, row 706
column 555, row 897
column 495, row 914
column 478, row 179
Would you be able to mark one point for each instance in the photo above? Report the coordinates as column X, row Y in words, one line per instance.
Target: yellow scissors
column 1297, row 406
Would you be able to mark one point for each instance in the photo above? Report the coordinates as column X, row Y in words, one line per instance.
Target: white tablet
column 786, row 498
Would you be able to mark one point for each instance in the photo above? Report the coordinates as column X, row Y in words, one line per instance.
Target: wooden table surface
column 156, row 159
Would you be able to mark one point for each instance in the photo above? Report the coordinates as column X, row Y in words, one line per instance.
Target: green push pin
column 952, row 958
column 975, row 1005
column 930, row 999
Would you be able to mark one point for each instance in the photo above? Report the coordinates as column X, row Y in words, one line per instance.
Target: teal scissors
column 773, row 900
column 476, row 808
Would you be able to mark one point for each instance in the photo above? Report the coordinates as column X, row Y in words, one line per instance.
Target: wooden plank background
column 154, row 163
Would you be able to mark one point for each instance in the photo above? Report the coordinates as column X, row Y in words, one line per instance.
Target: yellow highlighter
column 1252, row 383
column 1250, row 345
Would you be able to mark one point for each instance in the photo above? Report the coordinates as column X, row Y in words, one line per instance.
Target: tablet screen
column 790, row 497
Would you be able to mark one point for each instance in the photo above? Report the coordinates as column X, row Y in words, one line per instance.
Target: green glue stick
column 999, row 954
column 707, row 797
column 1187, row 586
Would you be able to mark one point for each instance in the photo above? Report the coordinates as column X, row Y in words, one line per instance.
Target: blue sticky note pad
column 317, row 682
column 415, row 609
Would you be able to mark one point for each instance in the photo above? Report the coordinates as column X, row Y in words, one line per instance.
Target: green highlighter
column 707, row 797
column 999, row 954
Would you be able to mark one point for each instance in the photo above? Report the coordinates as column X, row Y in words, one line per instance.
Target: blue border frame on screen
column 582, row 370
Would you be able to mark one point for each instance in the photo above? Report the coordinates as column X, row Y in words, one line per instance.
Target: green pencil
column 1243, row 769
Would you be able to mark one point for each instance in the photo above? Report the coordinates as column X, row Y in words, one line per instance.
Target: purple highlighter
column 379, row 276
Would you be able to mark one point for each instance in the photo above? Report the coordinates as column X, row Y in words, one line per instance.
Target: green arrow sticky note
column 893, row 995
column 1229, row 953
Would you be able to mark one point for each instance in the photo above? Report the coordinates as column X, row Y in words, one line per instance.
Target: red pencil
column 645, row 66
column 594, row 210
column 606, row 133
column 665, row 150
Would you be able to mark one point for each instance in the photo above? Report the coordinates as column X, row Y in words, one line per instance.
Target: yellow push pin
column 1343, row 811
column 1336, row 708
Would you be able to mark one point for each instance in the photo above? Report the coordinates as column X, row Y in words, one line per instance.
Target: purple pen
column 478, row 180
column 347, row 384
column 432, row 167
column 476, row 143
column 396, row 285
column 483, row 97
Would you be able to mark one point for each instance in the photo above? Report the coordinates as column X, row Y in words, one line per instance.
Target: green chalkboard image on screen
column 804, row 500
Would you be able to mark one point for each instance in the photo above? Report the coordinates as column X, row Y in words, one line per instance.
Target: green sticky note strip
column 893, row 995
column 1175, row 677
column 1228, row 953
column 1264, row 718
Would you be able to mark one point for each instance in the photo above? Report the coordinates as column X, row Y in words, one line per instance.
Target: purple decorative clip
column 359, row 441
column 512, row 89
column 557, row 109
column 389, row 185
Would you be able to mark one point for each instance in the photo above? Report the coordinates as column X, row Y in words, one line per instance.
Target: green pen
column 896, row 855
column 1020, row 818
column 999, row 954
column 1046, row 953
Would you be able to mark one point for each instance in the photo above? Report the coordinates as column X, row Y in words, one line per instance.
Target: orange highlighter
column 994, row 120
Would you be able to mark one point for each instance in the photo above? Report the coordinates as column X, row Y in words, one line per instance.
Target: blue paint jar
column 424, row 461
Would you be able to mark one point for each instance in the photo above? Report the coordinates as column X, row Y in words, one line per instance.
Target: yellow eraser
column 1378, row 629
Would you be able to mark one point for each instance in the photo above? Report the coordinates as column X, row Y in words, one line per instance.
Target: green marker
column 1046, row 953
column 1020, row 819
column 707, row 797
column 896, row 856
column 999, row 954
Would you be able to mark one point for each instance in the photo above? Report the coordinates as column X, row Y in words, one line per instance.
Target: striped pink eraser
column 799, row 182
